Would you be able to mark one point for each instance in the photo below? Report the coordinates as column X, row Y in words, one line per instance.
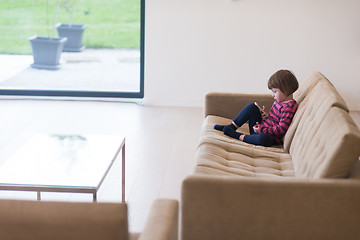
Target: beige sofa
column 70, row 220
column 307, row 188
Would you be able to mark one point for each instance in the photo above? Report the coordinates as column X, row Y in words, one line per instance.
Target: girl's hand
column 264, row 115
column 256, row 127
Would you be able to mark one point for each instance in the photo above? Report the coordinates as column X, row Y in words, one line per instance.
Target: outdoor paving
column 90, row 70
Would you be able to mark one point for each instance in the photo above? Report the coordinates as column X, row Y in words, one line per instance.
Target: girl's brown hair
column 284, row 80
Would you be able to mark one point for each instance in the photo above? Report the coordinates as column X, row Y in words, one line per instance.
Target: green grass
column 111, row 23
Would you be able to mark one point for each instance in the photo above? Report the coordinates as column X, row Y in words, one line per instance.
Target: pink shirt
column 278, row 122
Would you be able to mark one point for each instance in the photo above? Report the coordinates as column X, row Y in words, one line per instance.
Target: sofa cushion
column 315, row 97
column 208, row 132
column 326, row 150
column 218, row 154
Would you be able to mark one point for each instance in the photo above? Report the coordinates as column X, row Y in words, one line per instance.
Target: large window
column 111, row 65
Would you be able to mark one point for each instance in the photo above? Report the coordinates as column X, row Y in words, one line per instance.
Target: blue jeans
column 252, row 114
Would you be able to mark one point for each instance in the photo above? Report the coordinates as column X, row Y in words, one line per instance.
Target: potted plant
column 73, row 32
column 47, row 50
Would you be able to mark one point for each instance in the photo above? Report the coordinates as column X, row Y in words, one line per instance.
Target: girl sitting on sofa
column 267, row 129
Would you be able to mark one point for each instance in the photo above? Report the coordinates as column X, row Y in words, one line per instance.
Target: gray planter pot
column 74, row 35
column 46, row 52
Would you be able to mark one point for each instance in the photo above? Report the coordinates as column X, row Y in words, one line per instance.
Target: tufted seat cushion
column 218, row 154
column 321, row 142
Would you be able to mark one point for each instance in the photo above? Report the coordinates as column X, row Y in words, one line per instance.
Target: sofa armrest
column 162, row 223
column 62, row 220
column 228, row 105
column 253, row 208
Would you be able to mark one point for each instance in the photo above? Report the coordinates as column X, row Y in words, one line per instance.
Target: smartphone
column 261, row 110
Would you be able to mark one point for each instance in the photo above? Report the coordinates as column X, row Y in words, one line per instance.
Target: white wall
column 196, row 46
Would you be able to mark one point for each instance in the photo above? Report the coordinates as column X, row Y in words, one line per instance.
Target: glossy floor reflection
column 160, row 146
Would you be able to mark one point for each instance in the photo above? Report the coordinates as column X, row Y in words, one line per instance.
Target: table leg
column 94, row 197
column 38, row 195
column 123, row 174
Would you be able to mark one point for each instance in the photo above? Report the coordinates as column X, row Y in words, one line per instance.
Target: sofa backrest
column 315, row 93
column 322, row 137
column 306, row 85
column 326, row 146
column 62, row 220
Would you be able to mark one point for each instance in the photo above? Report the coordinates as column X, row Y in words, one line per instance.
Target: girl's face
column 278, row 95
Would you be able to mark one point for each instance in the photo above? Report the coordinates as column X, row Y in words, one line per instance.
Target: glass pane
column 107, row 58
column 61, row 160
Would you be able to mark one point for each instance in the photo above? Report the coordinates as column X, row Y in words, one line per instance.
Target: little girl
column 267, row 129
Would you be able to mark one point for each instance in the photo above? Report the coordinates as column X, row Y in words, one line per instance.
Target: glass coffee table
column 63, row 163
